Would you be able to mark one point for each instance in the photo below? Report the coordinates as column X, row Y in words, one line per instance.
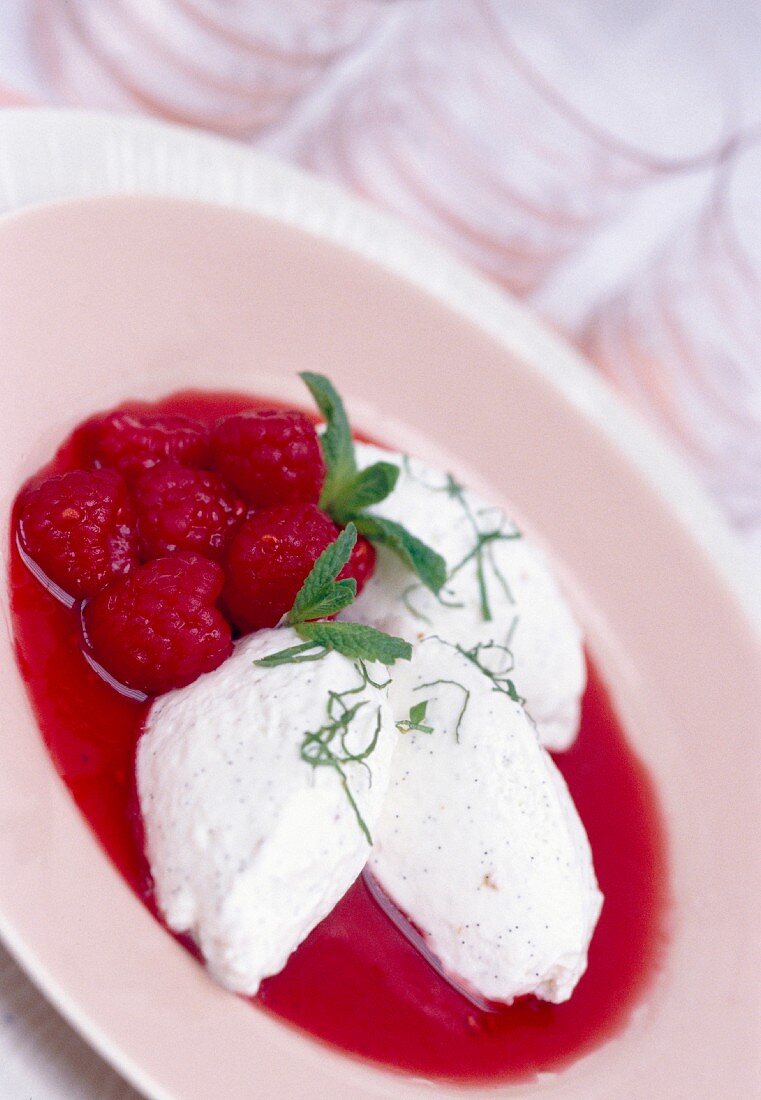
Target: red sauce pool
column 356, row 982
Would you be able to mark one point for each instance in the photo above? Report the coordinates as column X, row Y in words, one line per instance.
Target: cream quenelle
column 479, row 842
column 250, row 846
column 499, row 589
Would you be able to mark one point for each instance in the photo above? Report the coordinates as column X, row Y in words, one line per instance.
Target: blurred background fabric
column 598, row 158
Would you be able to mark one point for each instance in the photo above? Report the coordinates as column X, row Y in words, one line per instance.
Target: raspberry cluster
column 176, row 535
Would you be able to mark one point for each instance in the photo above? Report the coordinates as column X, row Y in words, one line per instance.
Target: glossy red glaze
column 356, row 982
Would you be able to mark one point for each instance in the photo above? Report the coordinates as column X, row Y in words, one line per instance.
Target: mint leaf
column 348, row 492
column 363, row 643
column 417, row 712
column 416, row 719
column 342, row 594
column 336, row 441
column 369, row 486
column 425, row 562
column 321, row 594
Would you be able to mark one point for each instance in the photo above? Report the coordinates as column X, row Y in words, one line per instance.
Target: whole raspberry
column 270, row 457
column 78, row 529
column 183, row 509
column 159, row 628
column 135, row 441
column 270, row 557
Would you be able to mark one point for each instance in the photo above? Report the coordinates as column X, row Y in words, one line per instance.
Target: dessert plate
column 107, row 298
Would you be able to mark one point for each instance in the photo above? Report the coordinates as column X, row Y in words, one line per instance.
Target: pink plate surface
column 106, row 299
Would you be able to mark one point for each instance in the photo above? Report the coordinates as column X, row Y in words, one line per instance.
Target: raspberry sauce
column 356, row 982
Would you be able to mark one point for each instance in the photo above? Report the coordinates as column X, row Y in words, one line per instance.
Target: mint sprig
column 336, row 441
column 370, row 486
column 363, row 643
column 353, row 640
column 320, row 596
column 347, row 492
column 417, row 555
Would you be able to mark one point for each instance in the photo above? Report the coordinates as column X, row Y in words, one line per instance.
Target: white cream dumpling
column 250, row 846
column 479, row 842
column 500, row 590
